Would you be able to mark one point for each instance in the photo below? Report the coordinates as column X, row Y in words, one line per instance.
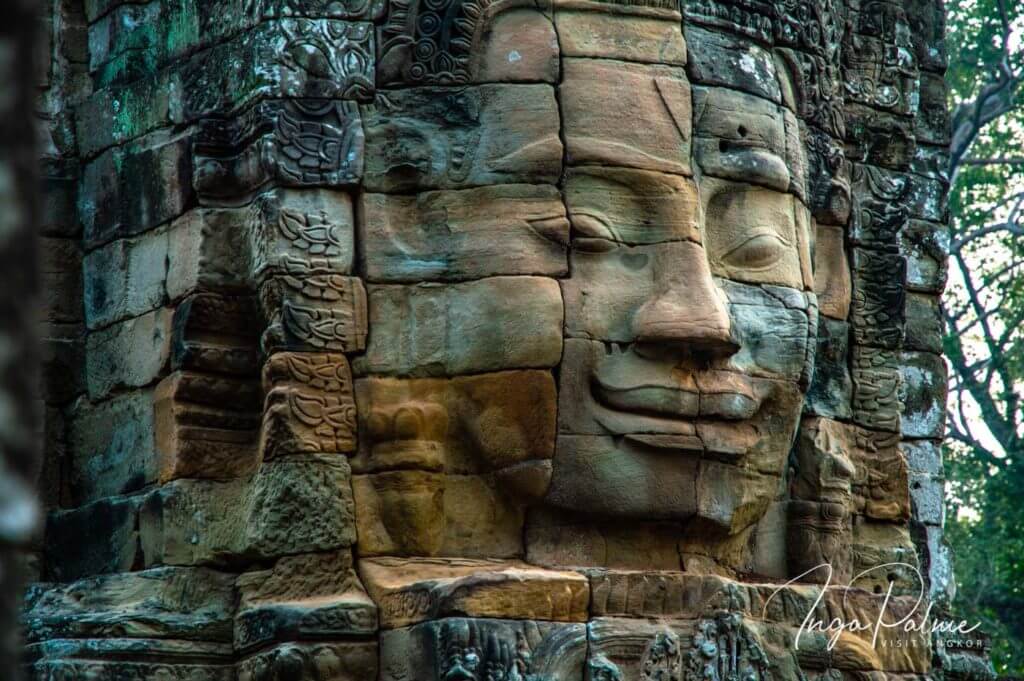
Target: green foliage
column 984, row 341
column 989, row 545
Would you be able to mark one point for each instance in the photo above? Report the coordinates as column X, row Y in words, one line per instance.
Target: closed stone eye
column 756, row 252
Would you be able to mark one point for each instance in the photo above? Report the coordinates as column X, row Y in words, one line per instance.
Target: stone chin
column 653, row 432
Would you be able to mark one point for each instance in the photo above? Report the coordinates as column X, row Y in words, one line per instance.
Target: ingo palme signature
column 911, row 622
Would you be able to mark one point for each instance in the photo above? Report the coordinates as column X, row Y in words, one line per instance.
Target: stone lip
column 412, row 590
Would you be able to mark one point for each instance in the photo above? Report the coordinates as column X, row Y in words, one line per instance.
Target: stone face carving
column 495, row 340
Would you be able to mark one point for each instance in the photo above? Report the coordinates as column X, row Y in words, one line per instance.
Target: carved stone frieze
column 290, row 58
column 320, row 312
column 876, row 387
column 309, row 405
column 455, row 42
column 710, row 649
column 879, row 66
column 301, row 233
column 292, row 143
column 877, row 312
column 481, row 649
column 349, row 661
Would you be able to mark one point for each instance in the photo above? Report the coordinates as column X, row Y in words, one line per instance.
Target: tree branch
column 994, row 100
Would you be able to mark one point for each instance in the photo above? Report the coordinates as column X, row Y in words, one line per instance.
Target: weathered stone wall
column 423, row 339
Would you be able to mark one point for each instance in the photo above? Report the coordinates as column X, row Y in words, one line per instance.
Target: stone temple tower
column 491, row 340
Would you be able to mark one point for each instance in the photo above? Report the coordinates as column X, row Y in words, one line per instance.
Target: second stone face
column 467, row 234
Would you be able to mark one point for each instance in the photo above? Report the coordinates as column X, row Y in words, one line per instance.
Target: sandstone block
column 928, row 199
column 424, row 514
column 71, row 550
column 140, row 658
column 206, row 426
column 756, row 235
column 601, row 102
column 932, row 124
column 125, row 278
column 272, row 60
column 628, row 648
column 592, row 475
column 669, row 594
column 883, row 212
column 466, row 424
column 733, row 498
column 167, row 32
column 925, row 324
column 309, row 406
column 215, row 333
column 302, row 232
column 760, row 438
column 587, row 31
column 60, row 271
column 744, row 138
column 158, row 603
column 301, row 597
column 479, row 135
column 519, row 45
column 831, row 387
column 877, row 310
column 556, row 538
column 467, row 234
column 432, row 650
column 280, row 143
column 630, row 206
column 207, row 249
column 129, row 354
column 874, row 545
column 832, row 282
column 926, row 247
column 111, row 447
column 927, row 493
column 411, row 590
column 923, row 394
column 294, row 505
column 941, row 582
column 62, row 356
column 118, row 115
column 314, row 313
column 486, row 325
column 608, row 288
column 400, row 512
column 876, row 388
column 132, row 188
column 923, row 456
column 482, row 518
column 58, row 216
column 718, row 58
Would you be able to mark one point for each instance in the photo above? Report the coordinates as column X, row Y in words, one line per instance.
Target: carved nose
column 686, row 313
